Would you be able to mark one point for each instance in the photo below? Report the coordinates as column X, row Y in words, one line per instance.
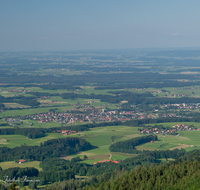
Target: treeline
column 29, row 132
column 139, row 122
column 59, row 86
column 18, row 172
column 22, row 175
column 41, row 132
column 28, row 101
column 128, row 146
column 34, row 133
column 146, row 85
column 135, row 98
column 2, row 105
column 132, row 97
column 56, row 86
column 50, row 148
column 97, row 79
column 160, row 120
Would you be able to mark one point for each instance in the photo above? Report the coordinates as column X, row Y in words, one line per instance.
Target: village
column 89, row 115
column 162, row 130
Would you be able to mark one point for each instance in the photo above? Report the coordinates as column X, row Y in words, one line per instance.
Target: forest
column 50, row 148
column 56, row 169
column 143, row 172
column 128, row 146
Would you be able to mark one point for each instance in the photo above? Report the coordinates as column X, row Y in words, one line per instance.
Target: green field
column 12, row 164
column 101, row 138
column 186, row 139
column 12, row 141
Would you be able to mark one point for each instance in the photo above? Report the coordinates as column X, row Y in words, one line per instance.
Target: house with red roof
column 21, row 161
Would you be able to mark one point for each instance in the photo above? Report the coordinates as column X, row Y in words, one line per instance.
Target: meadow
column 12, row 141
column 103, row 137
column 12, row 164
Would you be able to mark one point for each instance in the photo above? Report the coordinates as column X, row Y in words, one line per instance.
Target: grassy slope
column 12, row 164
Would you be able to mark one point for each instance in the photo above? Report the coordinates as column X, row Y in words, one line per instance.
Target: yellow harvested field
column 124, row 101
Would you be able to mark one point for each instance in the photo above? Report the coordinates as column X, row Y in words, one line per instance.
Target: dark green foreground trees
column 171, row 176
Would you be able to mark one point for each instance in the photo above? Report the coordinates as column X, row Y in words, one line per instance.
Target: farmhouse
column 21, row 161
column 104, row 161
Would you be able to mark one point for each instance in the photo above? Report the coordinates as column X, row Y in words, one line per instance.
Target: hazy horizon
column 98, row 25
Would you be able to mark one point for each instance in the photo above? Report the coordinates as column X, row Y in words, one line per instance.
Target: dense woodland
column 50, row 148
column 174, row 176
column 180, row 174
column 28, row 101
column 56, row 169
column 128, row 146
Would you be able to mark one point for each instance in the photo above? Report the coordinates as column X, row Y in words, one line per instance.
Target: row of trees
column 28, row 101
column 128, row 146
column 50, row 148
column 29, row 132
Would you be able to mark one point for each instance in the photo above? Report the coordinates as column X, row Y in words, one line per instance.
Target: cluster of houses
column 143, row 115
column 139, row 89
column 178, row 127
column 183, row 127
column 43, row 98
column 67, row 132
column 90, row 114
column 104, row 161
column 184, row 105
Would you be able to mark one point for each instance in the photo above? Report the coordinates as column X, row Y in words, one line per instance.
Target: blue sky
column 46, row 25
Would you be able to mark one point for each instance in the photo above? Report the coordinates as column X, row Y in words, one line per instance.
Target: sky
column 61, row 25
